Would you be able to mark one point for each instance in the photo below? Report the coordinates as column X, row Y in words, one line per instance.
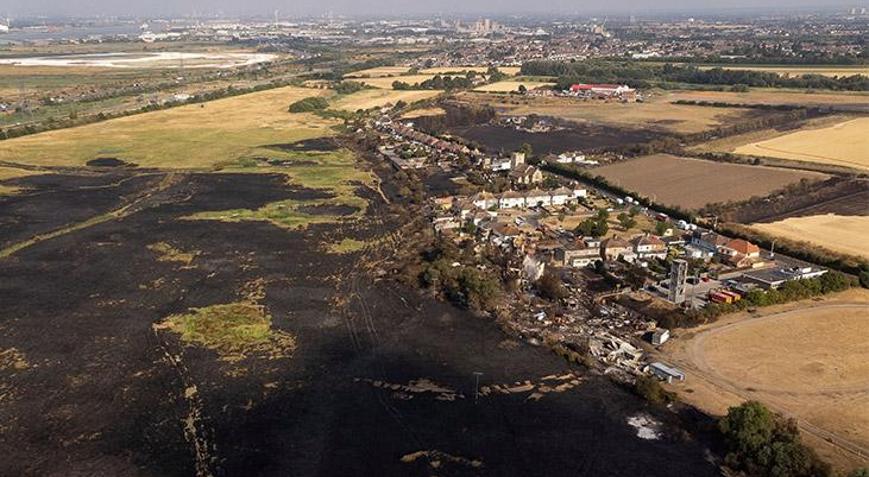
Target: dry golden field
column 843, row 144
column 374, row 98
column 420, row 113
column 693, row 183
column 844, row 234
column 508, row 86
column 507, row 70
column 655, row 113
column 799, row 70
column 777, row 96
column 379, row 72
column 807, row 360
column 192, row 136
column 804, row 359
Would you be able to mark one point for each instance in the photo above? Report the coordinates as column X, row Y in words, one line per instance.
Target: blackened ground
column 584, row 137
column 316, row 144
column 97, row 396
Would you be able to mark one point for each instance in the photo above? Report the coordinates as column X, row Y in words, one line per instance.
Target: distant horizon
column 113, row 9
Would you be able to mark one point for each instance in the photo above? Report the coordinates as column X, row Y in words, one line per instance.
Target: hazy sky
column 393, row 7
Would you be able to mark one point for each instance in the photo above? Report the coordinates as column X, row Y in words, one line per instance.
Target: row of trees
column 438, row 82
column 831, row 282
column 644, row 75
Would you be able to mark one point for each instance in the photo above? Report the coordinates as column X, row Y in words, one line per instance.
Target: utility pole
column 477, row 375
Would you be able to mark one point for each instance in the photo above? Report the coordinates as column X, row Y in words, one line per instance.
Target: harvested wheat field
column 843, row 234
column 694, row 183
column 843, row 144
column 510, row 86
column 191, row 136
column 375, row 98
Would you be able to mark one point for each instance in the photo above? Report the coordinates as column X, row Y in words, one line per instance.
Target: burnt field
column 843, row 196
column 381, row 381
column 569, row 137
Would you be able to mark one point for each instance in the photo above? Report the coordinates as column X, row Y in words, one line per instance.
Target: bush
column 349, row 87
column 651, row 390
column 764, row 444
column 307, row 105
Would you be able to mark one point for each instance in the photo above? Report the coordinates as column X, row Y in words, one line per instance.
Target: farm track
column 696, row 363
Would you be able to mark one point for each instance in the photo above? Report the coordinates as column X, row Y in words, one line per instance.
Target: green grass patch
column 334, row 172
column 348, row 245
column 233, row 330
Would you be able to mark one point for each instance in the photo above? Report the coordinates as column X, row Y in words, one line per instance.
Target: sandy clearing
column 843, row 144
column 845, row 234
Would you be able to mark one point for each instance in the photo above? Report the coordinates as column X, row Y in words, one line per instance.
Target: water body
column 69, row 33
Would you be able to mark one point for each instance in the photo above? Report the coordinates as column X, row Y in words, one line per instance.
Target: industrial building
column 666, row 373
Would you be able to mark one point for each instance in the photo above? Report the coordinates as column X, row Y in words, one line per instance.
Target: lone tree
column 627, row 221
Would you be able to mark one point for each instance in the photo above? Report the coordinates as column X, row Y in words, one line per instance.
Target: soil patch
column 109, row 162
column 317, row 144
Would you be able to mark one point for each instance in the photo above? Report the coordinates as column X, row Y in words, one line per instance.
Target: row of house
column 620, row 91
column 588, row 250
column 737, row 253
column 532, row 198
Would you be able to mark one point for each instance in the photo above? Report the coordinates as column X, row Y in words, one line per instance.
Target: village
column 608, row 252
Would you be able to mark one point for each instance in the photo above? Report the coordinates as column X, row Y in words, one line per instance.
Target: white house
column 561, row 196
column 536, row 197
column 511, row 200
column 485, row 200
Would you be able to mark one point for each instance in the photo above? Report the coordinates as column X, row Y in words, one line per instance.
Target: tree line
column 644, row 75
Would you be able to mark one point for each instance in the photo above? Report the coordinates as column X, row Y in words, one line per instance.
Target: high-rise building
column 678, row 279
